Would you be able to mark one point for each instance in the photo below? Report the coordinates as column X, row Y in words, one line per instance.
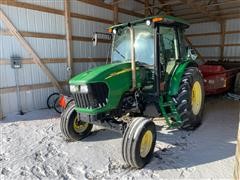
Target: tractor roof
column 166, row 18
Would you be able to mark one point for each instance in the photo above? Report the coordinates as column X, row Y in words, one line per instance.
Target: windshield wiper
column 120, row 53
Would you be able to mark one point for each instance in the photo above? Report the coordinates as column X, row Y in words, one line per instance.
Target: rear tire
column 138, row 143
column 71, row 127
column 190, row 99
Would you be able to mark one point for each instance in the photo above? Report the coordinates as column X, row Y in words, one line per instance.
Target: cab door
column 169, row 50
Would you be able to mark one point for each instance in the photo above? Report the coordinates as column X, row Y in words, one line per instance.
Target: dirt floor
column 32, row 147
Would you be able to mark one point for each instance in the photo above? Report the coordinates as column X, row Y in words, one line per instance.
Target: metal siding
column 232, row 38
column 203, row 28
column 31, row 74
column 206, row 40
column 232, row 51
column 81, row 27
column 86, row 50
column 233, row 25
column 57, row 4
column 90, row 10
column 10, row 46
column 34, row 21
column 131, row 5
column 209, row 51
column 1, row 26
column 48, row 48
column 126, row 18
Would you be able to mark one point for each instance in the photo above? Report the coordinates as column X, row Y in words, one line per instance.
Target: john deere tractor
column 149, row 65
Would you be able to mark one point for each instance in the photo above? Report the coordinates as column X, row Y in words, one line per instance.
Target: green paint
column 118, row 78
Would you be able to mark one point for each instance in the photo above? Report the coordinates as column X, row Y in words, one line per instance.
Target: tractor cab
column 157, row 43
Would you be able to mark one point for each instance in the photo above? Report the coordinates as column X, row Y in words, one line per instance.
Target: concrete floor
column 32, row 147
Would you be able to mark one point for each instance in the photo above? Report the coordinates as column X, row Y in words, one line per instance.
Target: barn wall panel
column 57, row 4
column 90, row 10
column 34, row 21
column 206, row 40
column 81, row 27
column 203, row 28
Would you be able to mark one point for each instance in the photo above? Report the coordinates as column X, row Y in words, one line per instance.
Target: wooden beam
column 203, row 34
column 110, row 7
column 53, row 60
column 146, row 8
column 91, row 18
column 115, row 13
column 34, row 34
column 53, row 36
column 201, row 9
column 213, row 33
column 225, row 57
column 68, row 28
column 29, row 87
column 223, row 29
column 29, row 49
column 199, row 55
column 207, row 45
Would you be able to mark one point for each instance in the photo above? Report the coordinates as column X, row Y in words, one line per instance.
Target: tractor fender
column 177, row 75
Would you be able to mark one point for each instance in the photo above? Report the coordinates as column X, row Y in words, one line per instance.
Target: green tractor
column 150, row 65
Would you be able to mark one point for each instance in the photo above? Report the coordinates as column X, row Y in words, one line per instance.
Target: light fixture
column 84, row 88
column 114, row 31
column 74, row 88
column 148, row 22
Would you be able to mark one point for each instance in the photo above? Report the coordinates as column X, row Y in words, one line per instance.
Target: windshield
column 144, row 45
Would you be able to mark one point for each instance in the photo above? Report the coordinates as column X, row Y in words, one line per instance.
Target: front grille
column 96, row 97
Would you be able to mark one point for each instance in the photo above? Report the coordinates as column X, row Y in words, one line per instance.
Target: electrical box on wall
column 16, row 62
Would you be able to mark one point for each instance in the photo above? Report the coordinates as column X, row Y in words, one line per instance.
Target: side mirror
column 104, row 37
column 191, row 53
column 95, row 39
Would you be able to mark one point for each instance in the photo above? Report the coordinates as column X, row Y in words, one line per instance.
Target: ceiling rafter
column 201, row 9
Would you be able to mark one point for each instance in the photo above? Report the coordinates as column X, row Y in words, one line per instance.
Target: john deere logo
column 119, row 72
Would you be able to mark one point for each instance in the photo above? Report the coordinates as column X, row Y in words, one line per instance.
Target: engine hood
column 101, row 73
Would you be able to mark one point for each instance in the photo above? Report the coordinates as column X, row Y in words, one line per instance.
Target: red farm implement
column 217, row 79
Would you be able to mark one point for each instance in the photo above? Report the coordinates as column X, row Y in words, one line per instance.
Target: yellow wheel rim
column 79, row 126
column 196, row 98
column 146, row 144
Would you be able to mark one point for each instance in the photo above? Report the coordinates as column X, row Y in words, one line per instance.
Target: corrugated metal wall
column 213, row 53
column 41, row 22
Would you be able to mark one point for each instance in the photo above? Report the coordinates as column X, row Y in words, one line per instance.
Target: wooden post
column 68, row 27
column 237, row 160
column 146, row 10
column 115, row 12
column 30, row 50
column 223, row 29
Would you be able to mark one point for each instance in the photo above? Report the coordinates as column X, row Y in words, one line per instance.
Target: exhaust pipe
column 133, row 62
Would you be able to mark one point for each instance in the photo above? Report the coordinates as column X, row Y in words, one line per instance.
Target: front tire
column 71, row 127
column 190, row 99
column 138, row 143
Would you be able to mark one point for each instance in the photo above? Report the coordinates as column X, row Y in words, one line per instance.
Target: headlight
column 74, row 88
column 84, row 89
